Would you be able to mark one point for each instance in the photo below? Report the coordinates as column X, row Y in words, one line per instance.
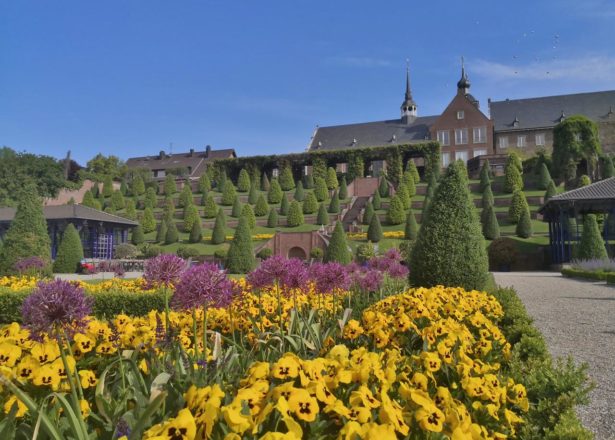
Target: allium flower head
column 390, row 263
column 289, row 274
column 329, row 276
column 54, row 306
column 202, row 285
column 29, row 264
column 164, row 269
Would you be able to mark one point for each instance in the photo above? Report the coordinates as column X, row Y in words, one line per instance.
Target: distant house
column 100, row 232
column 188, row 165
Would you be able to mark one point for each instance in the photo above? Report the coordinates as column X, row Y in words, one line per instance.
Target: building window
column 461, row 136
column 481, row 152
column 275, row 172
column 446, row 159
column 461, row 155
column 503, row 141
column 341, row 167
column 460, row 114
column 521, row 141
column 479, row 135
column 159, row 173
column 540, row 139
column 444, row 137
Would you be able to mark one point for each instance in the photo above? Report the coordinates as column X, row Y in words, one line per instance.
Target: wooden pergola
column 597, row 198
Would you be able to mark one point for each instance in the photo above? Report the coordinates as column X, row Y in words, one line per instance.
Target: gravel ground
column 577, row 318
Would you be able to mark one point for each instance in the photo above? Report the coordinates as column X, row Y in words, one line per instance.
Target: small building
column 100, row 232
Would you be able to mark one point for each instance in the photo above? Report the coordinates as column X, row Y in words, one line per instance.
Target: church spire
column 408, row 107
column 463, row 85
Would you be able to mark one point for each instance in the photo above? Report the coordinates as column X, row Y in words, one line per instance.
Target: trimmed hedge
column 570, row 272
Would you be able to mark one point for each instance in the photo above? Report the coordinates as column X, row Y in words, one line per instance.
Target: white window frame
column 461, row 136
column 540, row 139
column 480, row 152
column 482, row 135
column 503, row 142
column 460, row 115
column 446, row 159
column 459, row 155
column 521, row 141
column 442, row 134
column 275, row 172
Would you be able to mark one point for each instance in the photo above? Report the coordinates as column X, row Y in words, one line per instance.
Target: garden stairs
column 353, row 213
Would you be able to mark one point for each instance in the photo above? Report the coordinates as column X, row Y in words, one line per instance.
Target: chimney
column 191, row 152
column 161, row 155
column 207, row 150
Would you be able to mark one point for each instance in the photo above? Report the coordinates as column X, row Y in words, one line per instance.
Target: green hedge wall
column 586, row 274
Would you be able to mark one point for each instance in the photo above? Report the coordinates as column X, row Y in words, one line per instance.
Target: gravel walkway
column 576, row 318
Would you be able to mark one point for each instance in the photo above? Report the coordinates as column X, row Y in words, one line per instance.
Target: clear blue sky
column 130, row 77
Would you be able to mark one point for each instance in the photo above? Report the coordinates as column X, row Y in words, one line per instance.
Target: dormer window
column 460, row 114
column 516, row 122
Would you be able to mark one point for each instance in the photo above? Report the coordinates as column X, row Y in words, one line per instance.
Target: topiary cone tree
column 334, row 205
column 414, row 172
column 248, row 213
column 591, row 246
column 376, row 200
column 338, row 246
column 411, row 228
column 70, row 251
column 253, row 194
column 374, row 231
column 550, row 192
column 404, row 195
column 368, row 213
column 284, row 204
column 275, row 193
column 524, row 227
column 322, row 218
column 491, row 228
column 513, row 180
column 262, row 207
column 27, row 236
column 218, row 234
column 485, row 178
column 210, row 208
column 396, row 213
column 272, row 220
column 265, row 182
column 228, row 194
column 383, row 187
column 243, row 181
column 240, row 256
column 137, row 236
column 196, row 233
column 191, row 216
column 237, row 207
column 299, row 193
column 320, row 189
column 310, row 204
column 162, row 231
column 295, row 214
column 545, row 177
column 172, row 234
column 343, row 190
column 450, row 248
column 518, row 204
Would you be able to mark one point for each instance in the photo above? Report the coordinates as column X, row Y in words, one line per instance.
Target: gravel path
column 576, row 318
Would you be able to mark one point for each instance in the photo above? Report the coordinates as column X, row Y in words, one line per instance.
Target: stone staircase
column 353, row 213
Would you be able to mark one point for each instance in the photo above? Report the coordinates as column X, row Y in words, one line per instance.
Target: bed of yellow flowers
column 426, row 363
column 25, row 283
column 385, row 234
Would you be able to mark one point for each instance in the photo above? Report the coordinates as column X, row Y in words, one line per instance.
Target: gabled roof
column 596, row 197
column 372, row 134
column 547, row 111
column 193, row 160
column 80, row 212
column 604, row 189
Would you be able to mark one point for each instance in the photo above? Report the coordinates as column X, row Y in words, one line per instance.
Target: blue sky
column 130, row 77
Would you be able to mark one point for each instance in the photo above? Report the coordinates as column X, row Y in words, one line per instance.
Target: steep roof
column 192, row 159
column 596, row 197
column 604, row 189
column 371, row 134
column 71, row 212
column 546, row 111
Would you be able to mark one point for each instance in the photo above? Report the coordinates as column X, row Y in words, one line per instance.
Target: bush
column 204, row 184
column 262, row 207
column 310, row 204
column 221, row 181
column 295, row 214
column 524, row 227
column 383, row 187
column 265, row 183
column 584, row 180
column 409, row 184
column 137, row 236
column 414, row 172
column 287, row 181
column 191, row 216
column 125, row 251
column 162, row 231
column 374, row 231
column 284, row 204
column 551, row 191
column 228, row 194
column 545, row 177
column 169, row 208
column 210, row 209
column 237, row 208
column 248, row 213
column 396, row 213
column 334, row 205
column 170, row 187
column 322, row 218
column 376, row 200
column 368, row 213
column 221, row 254
column 107, row 187
column 150, row 199
column 90, row 201
column 332, row 182
column 187, row 252
column 365, row 252
column 138, row 186
column 487, row 198
column 518, row 204
column 253, row 195
column 117, row 200
column 316, row 253
column 308, row 181
column 70, row 252
column 485, row 180
column 218, row 234
column 149, row 250
column 196, row 233
column 513, row 181
column 172, row 234
column 131, row 211
column 299, row 193
column 491, row 228
column 272, row 220
column 503, row 253
column 243, row 181
column 607, row 167
column 185, row 196
column 450, row 249
column 275, row 193
column 240, row 257
column 597, row 275
column 343, row 191
column 404, row 196
column 264, row 253
column 411, row 228
column 592, row 245
column 320, row 189
column 337, row 250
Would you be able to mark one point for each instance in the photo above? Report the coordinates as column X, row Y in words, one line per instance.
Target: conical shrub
column 272, row 220
column 518, row 204
column 374, row 231
column 149, row 221
column 204, row 184
column 138, row 186
column 170, row 187
column 487, row 198
column 185, row 196
column 262, row 207
column 411, row 228
column 196, row 233
column 218, row 234
column 265, row 183
column 299, row 193
column 89, row 200
column 396, row 213
column 274, row 196
column 162, row 231
column 308, row 181
column 376, row 200
column 295, row 214
column 343, row 191
column 172, row 234
column 320, row 189
column 513, row 180
column 591, row 246
column 334, row 205
column 490, row 226
column 248, row 213
column 404, row 196
column 485, row 180
column 545, row 177
column 70, row 251
column 287, row 181
column 210, row 209
column 332, row 182
column 383, row 187
column 150, row 200
column 524, row 227
column 253, row 195
column 411, row 168
column 228, row 194
column 237, row 207
column 368, row 213
column 284, row 205
column 323, row 217
column 240, row 256
column 243, row 181
column 310, row 204
column 191, row 216
column 137, row 236
column 337, row 250
column 550, row 192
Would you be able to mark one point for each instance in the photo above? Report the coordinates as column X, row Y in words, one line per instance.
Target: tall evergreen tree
column 210, row 209
column 204, row 184
column 107, row 186
column 513, row 180
column 310, row 204
column 243, row 181
column 248, row 213
column 334, row 205
column 284, row 205
column 221, row 181
column 343, row 191
column 545, row 177
column 149, row 221
column 411, row 228
column 331, row 180
column 228, row 194
column 274, row 196
column 218, row 234
column 170, row 187
column 591, row 246
column 150, row 198
column 240, row 256
column 396, row 213
column 262, row 207
column 368, row 213
column 374, row 231
column 320, row 189
column 196, row 233
column 185, row 197
column 411, row 167
column 265, row 183
column 299, row 193
column 487, row 196
column 253, row 194
column 172, row 234
column 138, row 186
column 450, row 248
column 137, row 236
column 162, row 231
column 322, row 218
column 287, row 181
column 383, row 187
column 237, row 207
column 524, row 227
column 485, row 180
column 404, row 196
column 272, row 220
column 518, row 204
column 550, row 192
column 191, row 216
column 337, row 250
column 70, row 251
column 295, row 214
column 490, row 226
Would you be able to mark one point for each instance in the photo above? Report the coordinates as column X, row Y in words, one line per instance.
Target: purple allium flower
column 54, row 306
column 398, row 270
column 329, row 276
column 29, row 264
column 163, row 270
column 202, row 285
column 122, row 429
column 296, row 276
column 390, row 263
column 290, row 274
column 371, row 281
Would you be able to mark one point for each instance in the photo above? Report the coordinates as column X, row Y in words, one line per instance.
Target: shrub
column 591, row 245
column 332, row 182
column 162, row 231
column 503, row 253
column 107, row 187
column 513, row 181
column 404, row 196
column 414, row 172
column 487, row 196
column 322, row 218
column 240, row 257
column 514, row 158
column 196, row 233
column 320, row 189
column 150, row 198
column 253, row 194
column 172, row 234
column 310, row 204
column 27, row 235
column 210, row 209
column 299, row 193
column 295, row 214
column 308, row 181
column 117, row 200
column 137, row 235
column 125, row 251
column 265, row 183
column 383, row 187
column 485, row 179
column 169, row 208
column 550, row 192
column 334, row 205
column 185, row 196
column 410, row 185
column 545, row 177
column 584, row 180
column 450, row 249
column 491, row 228
column 337, row 250
column 221, row 181
column 70, row 251
column 90, row 201
column 243, row 181
column 411, row 229
column 149, row 250
column 287, row 181
column 170, row 187
column 228, row 194
column 524, row 227
column 272, row 220
column 262, row 207
column 376, row 200
column 368, row 213
column 316, row 253
column 365, row 252
column 237, row 208
column 284, row 204
column 248, row 213
column 374, row 231
column 138, row 186
column 343, row 191
column 607, row 167
column 187, row 252
column 264, row 253
column 131, row 211
column 396, row 213
column 517, row 205
column 204, row 184
column 218, row 234
column 191, row 216
column 275, row 193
